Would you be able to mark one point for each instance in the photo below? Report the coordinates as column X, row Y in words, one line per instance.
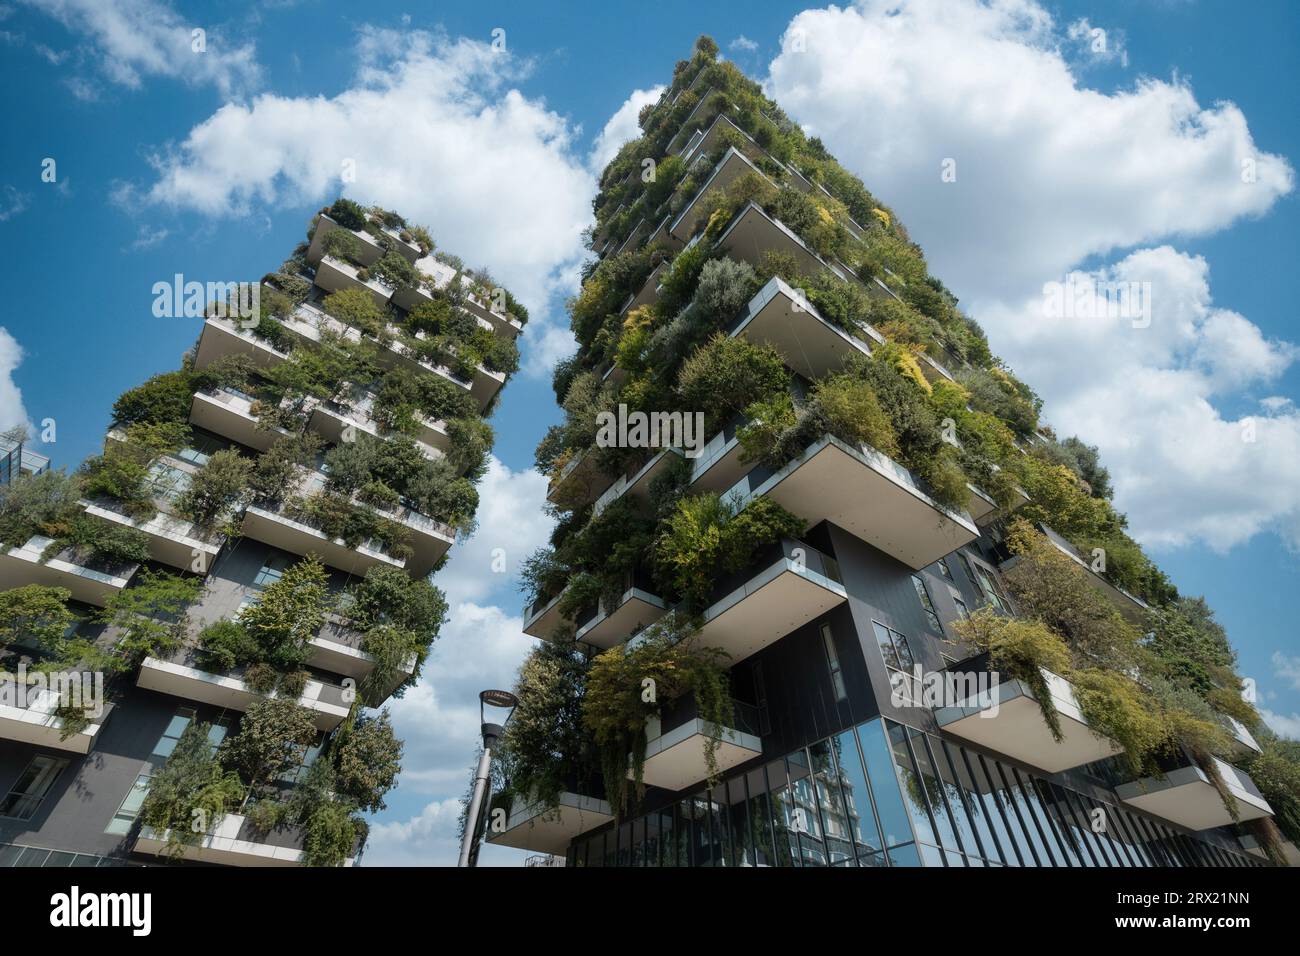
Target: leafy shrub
column 347, row 213
column 225, row 645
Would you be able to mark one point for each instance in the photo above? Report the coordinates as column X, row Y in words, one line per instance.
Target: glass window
column 952, row 826
column 30, row 788
column 786, row 823
column 130, row 808
column 923, row 595
column 740, row 834
column 165, row 480
column 271, row 571
column 805, row 818
column 883, row 781
column 837, row 825
column 898, row 660
column 913, row 795
column 857, row 796
column 833, row 661
column 963, row 611
column 992, row 589
column 963, row 790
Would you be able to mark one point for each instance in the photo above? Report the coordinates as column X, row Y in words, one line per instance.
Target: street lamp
column 501, row 700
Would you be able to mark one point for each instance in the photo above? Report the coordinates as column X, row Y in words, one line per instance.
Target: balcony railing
column 1187, row 796
column 531, row 825
column 234, row 841
column 677, row 744
column 329, row 704
column 172, row 541
column 33, row 719
column 93, row 581
column 866, row 493
column 1006, row 717
column 1130, row 605
column 787, row 586
column 783, row 318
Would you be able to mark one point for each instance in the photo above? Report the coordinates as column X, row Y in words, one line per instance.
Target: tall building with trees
column 875, row 612
column 199, row 626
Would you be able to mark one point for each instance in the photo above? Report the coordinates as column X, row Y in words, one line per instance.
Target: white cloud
column 12, row 411
column 148, row 236
column 12, row 203
column 1284, row 725
column 432, row 128
column 1049, row 174
column 1287, row 668
column 1183, row 470
column 1048, row 171
column 624, row 125
column 134, row 39
column 481, row 646
column 744, row 43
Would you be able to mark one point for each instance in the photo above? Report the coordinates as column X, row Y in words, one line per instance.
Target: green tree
column 368, row 759
column 273, row 737
column 190, row 794
column 35, row 614
column 288, row 613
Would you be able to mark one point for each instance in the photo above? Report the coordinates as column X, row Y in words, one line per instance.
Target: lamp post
column 491, row 734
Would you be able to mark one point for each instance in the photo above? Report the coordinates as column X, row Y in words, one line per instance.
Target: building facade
column 314, row 458
column 724, row 236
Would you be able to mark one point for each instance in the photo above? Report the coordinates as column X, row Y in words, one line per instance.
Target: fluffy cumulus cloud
column 1048, row 174
column 481, row 646
column 1047, row 170
column 430, row 126
column 624, row 125
column 130, row 40
column 12, row 411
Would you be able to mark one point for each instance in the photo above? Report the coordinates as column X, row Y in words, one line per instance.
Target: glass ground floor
column 883, row 794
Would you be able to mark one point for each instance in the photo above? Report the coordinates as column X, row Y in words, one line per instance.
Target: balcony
column 1009, row 720
column 793, row 584
column 221, row 338
column 443, row 275
column 337, row 650
column 1130, row 605
column 648, row 293
column 16, row 459
column 332, row 421
column 719, row 466
column 234, row 842
column 604, row 627
column 409, row 251
column 335, row 275
column 370, row 252
column 37, row 723
column 482, row 386
column 1186, row 796
column 980, row 506
column 579, row 482
column 783, row 318
column 229, row 414
column 1251, row 845
column 637, row 484
column 704, row 143
column 531, row 825
column 296, row 537
column 326, row 702
column 307, row 323
column 543, row 617
column 729, row 168
column 91, row 581
column 677, row 744
column 868, row 494
column 753, row 232
column 1243, row 741
column 172, row 541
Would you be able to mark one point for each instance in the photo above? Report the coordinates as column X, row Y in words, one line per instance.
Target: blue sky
column 1110, row 161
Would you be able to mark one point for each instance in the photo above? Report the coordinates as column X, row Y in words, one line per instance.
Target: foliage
column 368, row 757
column 149, row 617
column 33, row 614
column 288, row 613
column 615, row 707
column 727, row 374
column 190, row 794
column 225, row 645
column 1020, row 650
column 329, row 835
column 164, row 398
column 355, row 307
column 546, row 746
column 706, row 534
column 347, row 213
column 273, row 736
column 36, row 504
column 216, row 489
